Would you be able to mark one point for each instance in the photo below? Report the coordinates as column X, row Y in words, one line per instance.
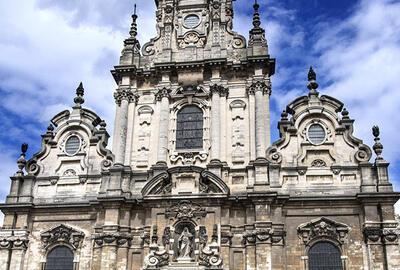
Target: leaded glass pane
column 316, row 134
column 189, row 128
column 60, row 258
column 324, row 256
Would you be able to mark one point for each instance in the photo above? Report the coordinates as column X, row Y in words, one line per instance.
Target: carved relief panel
column 238, row 131
column 144, row 134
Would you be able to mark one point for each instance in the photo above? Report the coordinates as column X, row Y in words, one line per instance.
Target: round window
column 316, row 134
column 72, row 145
column 191, row 21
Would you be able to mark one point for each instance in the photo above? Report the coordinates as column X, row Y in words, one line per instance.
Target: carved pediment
column 185, row 179
column 322, row 228
column 185, row 210
column 62, row 234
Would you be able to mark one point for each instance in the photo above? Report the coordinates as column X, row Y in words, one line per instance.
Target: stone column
column 4, row 254
column 96, row 258
column 252, row 127
column 131, row 122
column 122, row 97
column 215, row 122
column 223, row 109
column 162, row 154
column 267, row 120
column 259, row 88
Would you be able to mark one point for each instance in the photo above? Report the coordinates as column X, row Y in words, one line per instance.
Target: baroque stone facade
column 193, row 181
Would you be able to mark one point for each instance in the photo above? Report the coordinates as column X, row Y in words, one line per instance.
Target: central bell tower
column 197, row 93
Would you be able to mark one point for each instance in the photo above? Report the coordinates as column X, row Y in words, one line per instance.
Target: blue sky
column 48, row 46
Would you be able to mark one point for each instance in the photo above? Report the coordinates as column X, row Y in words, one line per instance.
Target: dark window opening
column 60, row 258
column 189, row 128
column 324, row 256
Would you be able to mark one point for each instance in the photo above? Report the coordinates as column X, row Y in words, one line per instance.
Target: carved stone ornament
column 376, row 234
column 125, row 94
column 62, row 234
column 164, row 92
column 156, row 259
column 188, row 158
column 118, row 239
column 257, row 235
column 220, row 89
column 14, row 239
column 319, row 163
column 185, row 210
column 192, row 39
column 323, row 228
column 273, row 155
column 363, row 154
column 210, row 258
column 260, row 85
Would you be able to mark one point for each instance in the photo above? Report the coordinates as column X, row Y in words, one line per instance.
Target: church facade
column 193, row 181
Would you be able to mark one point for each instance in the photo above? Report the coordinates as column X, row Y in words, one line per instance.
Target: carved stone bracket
column 14, row 239
column 256, row 236
column 110, row 239
column 62, row 234
column 377, row 233
column 323, row 228
column 185, row 210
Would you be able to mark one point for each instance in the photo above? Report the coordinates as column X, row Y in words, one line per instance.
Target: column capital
column 220, row 89
column 125, row 94
column 162, row 92
column 260, row 85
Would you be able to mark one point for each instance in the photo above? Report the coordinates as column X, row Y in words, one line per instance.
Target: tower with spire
column 193, row 181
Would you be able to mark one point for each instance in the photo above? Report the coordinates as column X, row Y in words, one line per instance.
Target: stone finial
column 378, row 147
column 103, row 125
column 79, row 100
column 21, row 162
column 132, row 43
column 257, row 33
column 312, row 82
column 256, row 15
column 50, row 129
column 345, row 114
column 133, row 31
column 284, row 116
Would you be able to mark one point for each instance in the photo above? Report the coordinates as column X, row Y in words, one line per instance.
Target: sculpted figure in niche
column 185, row 244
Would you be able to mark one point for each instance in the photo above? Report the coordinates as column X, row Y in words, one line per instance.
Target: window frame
column 324, row 240
column 194, row 149
column 52, row 248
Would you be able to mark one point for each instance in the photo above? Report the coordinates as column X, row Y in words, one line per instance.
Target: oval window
column 72, row 145
column 316, row 134
column 191, row 21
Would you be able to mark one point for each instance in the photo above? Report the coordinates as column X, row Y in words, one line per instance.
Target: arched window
column 324, row 256
column 60, row 258
column 189, row 128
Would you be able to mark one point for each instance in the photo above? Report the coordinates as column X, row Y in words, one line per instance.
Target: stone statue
column 184, row 243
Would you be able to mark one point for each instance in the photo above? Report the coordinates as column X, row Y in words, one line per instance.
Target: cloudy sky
column 48, row 46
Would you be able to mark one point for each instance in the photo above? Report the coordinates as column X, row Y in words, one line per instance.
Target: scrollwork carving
column 62, row 235
column 323, row 228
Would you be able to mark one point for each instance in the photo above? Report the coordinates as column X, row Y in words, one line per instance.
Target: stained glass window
column 324, row 256
column 189, row 128
column 60, row 258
